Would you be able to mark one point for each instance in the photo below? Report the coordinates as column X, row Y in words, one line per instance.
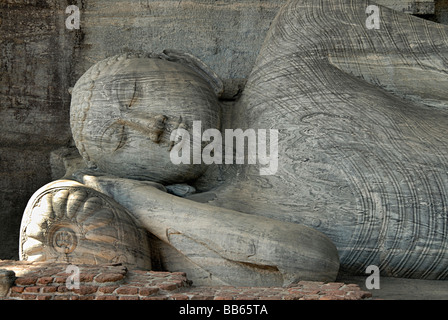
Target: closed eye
column 114, row 137
column 127, row 92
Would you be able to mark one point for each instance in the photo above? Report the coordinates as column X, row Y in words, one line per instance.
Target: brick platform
column 47, row 281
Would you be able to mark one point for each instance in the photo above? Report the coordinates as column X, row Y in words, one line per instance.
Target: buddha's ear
column 197, row 65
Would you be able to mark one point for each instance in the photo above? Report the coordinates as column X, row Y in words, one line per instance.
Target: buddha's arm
column 224, row 236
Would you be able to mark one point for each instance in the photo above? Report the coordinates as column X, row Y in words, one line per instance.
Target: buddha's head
column 125, row 108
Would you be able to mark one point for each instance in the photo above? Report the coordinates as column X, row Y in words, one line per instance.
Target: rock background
column 40, row 59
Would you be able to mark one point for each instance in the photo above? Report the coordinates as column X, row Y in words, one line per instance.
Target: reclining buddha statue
column 361, row 174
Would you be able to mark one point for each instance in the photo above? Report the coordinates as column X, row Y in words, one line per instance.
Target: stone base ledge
column 48, row 281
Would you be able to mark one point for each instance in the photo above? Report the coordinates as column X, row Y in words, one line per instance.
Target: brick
column 295, row 290
column 45, row 280
column 148, row 291
column 107, row 289
column 15, row 295
column 127, row 290
column 83, row 290
column 109, row 277
column 334, row 292
column 293, row 297
column 59, row 280
column 107, row 297
column 64, row 275
column 49, row 289
column 331, row 297
column 33, row 289
column 168, row 286
column 359, row 294
column 26, row 281
column 139, row 282
column 229, row 291
column 29, row 296
column 17, row 289
column 310, row 291
column 256, row 291
column 128, row 298
column 63, row 289
column 44, row 297
column 87, row 277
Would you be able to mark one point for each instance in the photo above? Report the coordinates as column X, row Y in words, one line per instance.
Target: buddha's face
column 131, row 110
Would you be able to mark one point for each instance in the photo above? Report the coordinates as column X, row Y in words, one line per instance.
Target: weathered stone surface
column 7, row 278
column 35, row 70
column 441, row 11
column 231, row 248
column 66, row 222
column 411, row 7
column 181, row 190
column 226, row 35
column 363, row 116
column 65, row 161
column 41, row 59
column 336, row 144
column 122, row 112
column 97, row 43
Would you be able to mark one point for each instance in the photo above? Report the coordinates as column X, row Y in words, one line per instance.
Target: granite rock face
column 35, row 69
